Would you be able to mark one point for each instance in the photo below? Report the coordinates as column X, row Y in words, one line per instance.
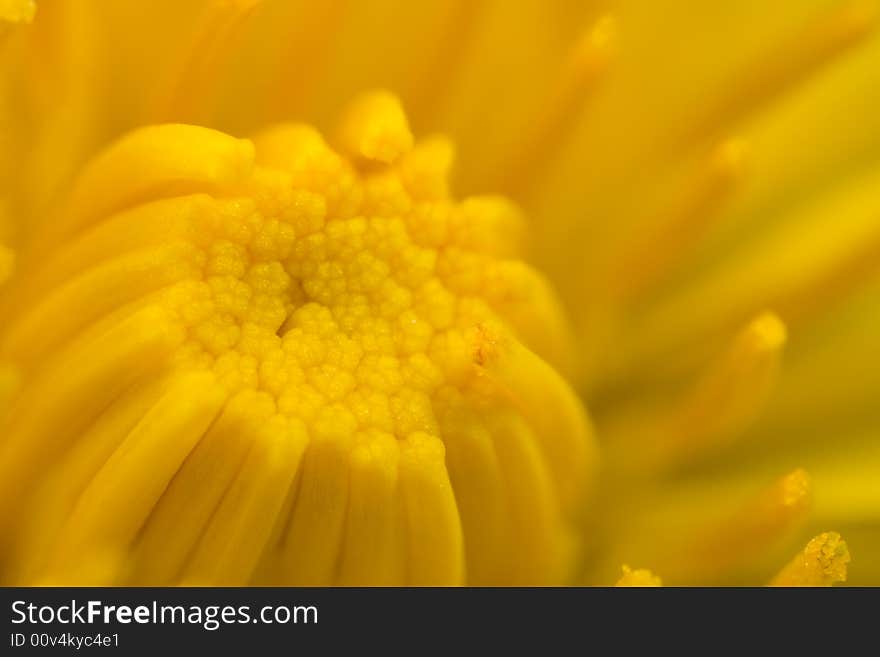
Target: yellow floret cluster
column 312, row 347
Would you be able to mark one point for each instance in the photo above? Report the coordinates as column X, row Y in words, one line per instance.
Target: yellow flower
column 260, row 361
column 294, row 358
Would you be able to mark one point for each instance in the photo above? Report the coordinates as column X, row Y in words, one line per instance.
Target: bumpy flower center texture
column 270, row 361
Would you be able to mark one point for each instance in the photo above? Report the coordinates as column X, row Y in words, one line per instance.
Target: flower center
column 318, row 354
